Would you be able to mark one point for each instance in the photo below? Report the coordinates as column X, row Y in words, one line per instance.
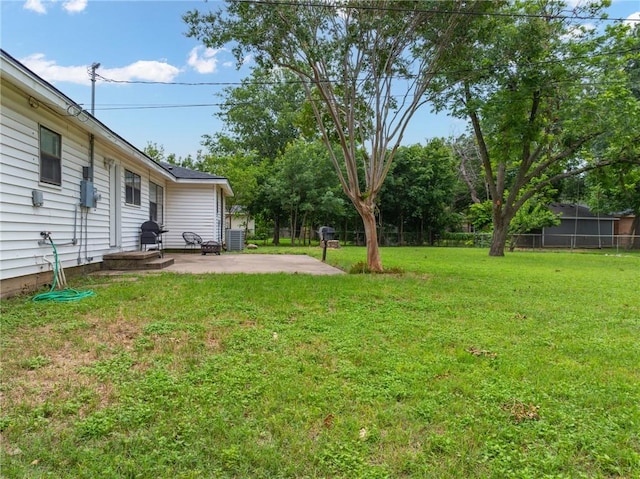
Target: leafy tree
column 304, row 184
column 533, row 215
column 419, row 191
column 156, row 152
column 364, row 66
column 261, row 118
column 470, row 171
column 243, row 170
column 540, row 92
column 616, row 189
column 261, row 115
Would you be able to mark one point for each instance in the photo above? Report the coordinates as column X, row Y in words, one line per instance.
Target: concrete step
column 159, row 263
column 135, row 260
column 133, row 255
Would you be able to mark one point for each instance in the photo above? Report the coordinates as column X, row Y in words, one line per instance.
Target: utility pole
column 94, row 67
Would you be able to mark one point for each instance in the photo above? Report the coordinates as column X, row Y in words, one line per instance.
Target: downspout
column 91, row 156
column 222, row 215
column 88, row 259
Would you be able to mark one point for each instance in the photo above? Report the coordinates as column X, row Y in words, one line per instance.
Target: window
column 50, row 157
column 132, row 187
column 156, row 200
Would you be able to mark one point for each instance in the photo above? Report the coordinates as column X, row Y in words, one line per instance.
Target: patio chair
column 151, row 234
column 191, row 240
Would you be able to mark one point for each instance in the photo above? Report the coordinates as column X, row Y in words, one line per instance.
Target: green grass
column 464, row 366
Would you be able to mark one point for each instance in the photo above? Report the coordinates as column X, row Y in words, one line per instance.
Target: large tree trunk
column 374, row 262
column 276, row 231
column 293, row 226
column 502, row 216
column 498, row 240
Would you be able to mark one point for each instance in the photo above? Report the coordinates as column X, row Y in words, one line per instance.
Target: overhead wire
column 437, row 72
column 278, row 82
column 364, row 6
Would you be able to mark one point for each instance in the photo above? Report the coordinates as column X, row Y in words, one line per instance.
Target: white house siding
column 191, row 207
column 82, row 235
column 20, row 222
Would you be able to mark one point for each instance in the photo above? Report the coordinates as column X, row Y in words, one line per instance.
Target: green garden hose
column 64, row 295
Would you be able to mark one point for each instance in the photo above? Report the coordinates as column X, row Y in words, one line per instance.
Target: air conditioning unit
column 235, row 240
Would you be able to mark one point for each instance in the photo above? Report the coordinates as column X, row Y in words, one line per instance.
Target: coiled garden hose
column 64, row 295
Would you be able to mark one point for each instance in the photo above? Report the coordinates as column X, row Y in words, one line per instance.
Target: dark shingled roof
column 186, row 173
column 570, row 210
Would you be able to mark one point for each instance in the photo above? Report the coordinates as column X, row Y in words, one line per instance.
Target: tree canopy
column 365, row 67
column 541, row 92
column 419, row 192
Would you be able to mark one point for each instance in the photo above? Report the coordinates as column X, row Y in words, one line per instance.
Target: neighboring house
column 63, row 171
column 579, row 228
column 239, row 219
column 624, row 229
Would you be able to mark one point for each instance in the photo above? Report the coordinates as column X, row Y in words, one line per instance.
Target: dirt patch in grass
column 45, row 366
column 521, row 412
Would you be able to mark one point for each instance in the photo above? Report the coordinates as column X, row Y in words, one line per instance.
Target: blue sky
column 145, row 40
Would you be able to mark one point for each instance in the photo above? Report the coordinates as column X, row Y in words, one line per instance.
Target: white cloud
column 145, row 70
column 70, row 6
column 578, row 31
column 245, row 60
column 633, row 20
column 35, row 6
column 51, row 72
column 203, row 61
column 74, row 6
column 579, row 3
column 141, row 70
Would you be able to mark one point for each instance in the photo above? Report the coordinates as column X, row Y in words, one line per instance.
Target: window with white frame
column 50, row 157
column 132, row 186
column 156, row 200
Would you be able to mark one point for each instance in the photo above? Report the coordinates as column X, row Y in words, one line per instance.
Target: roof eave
column 35, row 86
column 207, row 181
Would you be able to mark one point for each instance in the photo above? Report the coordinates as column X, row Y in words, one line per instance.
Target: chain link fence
column 460, row 240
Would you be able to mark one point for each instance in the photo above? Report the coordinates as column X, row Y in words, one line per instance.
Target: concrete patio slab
column 248, row 263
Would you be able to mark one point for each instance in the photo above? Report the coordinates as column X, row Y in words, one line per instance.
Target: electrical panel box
column 87, row 194
column 37, row 199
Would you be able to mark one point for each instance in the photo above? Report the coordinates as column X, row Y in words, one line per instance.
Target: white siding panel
column 21, row 222
column 82, row 235
column 190, row 208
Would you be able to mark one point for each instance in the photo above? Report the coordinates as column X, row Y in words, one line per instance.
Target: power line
column 229, row 105
column 152, row 107
column 289, row 82
column 364, row 6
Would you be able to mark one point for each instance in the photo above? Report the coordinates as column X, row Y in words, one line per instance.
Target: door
column 115, row 205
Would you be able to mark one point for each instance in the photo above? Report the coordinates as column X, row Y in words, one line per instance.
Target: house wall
column 132, row 216
column 624, row 225
column 20, row 221
column 239, row 222
column 82, row 235
column 192, row 208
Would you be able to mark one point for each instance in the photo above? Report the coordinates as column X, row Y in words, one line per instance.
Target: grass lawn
column 465, row 366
